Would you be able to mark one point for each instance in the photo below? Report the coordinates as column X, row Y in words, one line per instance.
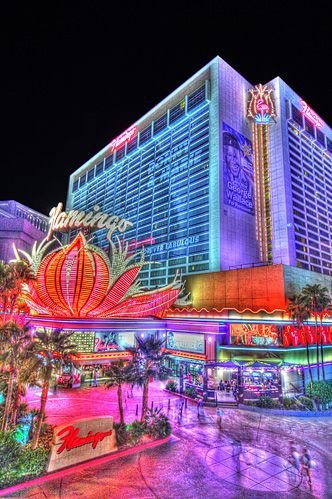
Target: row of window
column 184, row 107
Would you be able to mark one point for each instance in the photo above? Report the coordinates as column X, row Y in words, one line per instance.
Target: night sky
column 76, row 74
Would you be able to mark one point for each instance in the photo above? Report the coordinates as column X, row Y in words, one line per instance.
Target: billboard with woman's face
column 238, row 171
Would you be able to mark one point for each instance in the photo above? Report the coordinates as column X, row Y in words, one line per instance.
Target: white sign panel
column 80, row 441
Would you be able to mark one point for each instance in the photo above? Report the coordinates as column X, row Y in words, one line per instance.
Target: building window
column 297, row 115
column 196, row 98
column 320, row 137
column 99, row 168
column 177, row 111
column 132, row 145
column 82, row 180
column 309, row 127
column 145, row 135
column 329, row 144
column 91, row 174
column 120, row 153
column 160, row 124
column 109, row 161
column 75, row 186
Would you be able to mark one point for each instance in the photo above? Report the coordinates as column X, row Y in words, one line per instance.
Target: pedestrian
column 199, row 404
column 55, row 386
column 219, row 417
column 306, row 463
column 294, row 456
column 131, row 392
column 181, row 407
column 95, row 378
column 91, row 377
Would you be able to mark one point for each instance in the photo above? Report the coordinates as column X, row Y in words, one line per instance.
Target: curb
column 81, row 466
column 284, row 412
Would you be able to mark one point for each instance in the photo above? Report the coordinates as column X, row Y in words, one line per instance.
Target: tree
column 13, row 277
column 148, row 365
column 299, row 315
column 14, row 342
column 119, row 374
column 316, row 299
column 53, row 350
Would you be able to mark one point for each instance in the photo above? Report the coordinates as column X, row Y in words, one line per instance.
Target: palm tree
column 148, row 365
column 53, row 349
column 119, row 374
column 316, row 300
column 13, row 276
column 14, row 341
column 299, row 315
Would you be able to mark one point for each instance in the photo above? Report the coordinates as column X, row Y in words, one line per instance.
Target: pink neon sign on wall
column 308, row 112
column 122, row 139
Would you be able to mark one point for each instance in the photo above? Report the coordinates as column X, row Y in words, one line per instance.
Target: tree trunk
column 120, row 404
column 145, row 399
column 308, row 360
column 8, row 401
column 41, row 415
column 16, row 403
column 317, row 350
column 322, row 348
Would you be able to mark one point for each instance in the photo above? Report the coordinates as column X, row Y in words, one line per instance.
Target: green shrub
column 157, row 424
column 172, row 386
column 307, row 402
column 320, row 391
column 33, row 462
column 10, row 452
column 136, row 431
column 268, row 403
column 190, row 392
column 290, row 403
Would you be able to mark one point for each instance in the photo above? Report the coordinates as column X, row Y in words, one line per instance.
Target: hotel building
column 228, row 183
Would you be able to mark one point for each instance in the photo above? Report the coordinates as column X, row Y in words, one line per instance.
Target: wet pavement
column 247, row 458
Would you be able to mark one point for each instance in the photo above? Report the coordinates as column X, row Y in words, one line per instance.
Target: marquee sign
column 124, row 138
column 80, row 441
column 309, row 113
column 62, row 221
column 261, row 105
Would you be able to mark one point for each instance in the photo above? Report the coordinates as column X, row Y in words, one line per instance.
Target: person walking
column 219, row 417
column 294, row 456
column 95, row 378
column 199, row 405
column 91, row 377
column 307, row 464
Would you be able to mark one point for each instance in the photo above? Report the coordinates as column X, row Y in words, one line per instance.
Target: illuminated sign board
column 179, row 243
column 124, row 138
column 255, row 334
column 308, row 113
column 185, row 342
column 62, row 221
column 111, row 341
column 80, row 441
column 261, row 105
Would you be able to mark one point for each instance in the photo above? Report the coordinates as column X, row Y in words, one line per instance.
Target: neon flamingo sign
column 308, row 112
column 71, row 440
column 122, row 139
